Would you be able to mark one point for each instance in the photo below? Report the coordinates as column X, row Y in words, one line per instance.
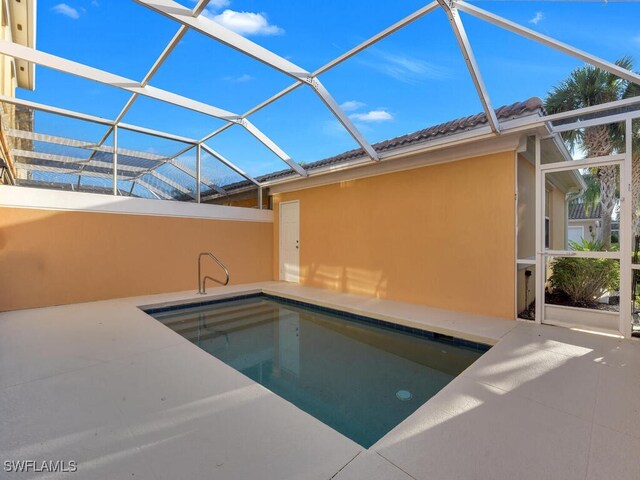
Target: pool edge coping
column 392, row 319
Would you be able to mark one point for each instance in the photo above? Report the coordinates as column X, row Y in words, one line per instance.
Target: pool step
column 223, row 323
column 195, row 335
column 181, row 317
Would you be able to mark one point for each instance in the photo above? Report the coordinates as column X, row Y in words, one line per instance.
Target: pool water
column 360, row 377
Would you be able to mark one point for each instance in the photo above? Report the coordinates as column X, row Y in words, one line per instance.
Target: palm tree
column 585, row 87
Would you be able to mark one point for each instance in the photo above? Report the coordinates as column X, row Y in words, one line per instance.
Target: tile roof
column 580, row 211
column 506, row 112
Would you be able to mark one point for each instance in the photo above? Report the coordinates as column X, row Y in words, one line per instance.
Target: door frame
column 280, row 244
column 625, row 250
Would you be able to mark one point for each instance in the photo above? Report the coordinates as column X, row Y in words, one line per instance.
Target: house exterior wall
column 440, row 235
column 53, row 257
column 586, row 223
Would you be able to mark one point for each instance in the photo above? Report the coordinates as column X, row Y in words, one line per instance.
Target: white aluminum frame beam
column 198, row 172
column 89, row 162
column 548, row 41
column 100, row 76
column 171, row 183
column 83, row 71
column 70, row 142
column 95, row 119
column 335, row 62
column 104, row 121
column 84, row 163
column 115, row 162
column 202, row 4
column 155, row 191
column 208, row 27
column 46, row 168
column 619, row 118
column 48, row 156
column 467, row 52
column 194, row 175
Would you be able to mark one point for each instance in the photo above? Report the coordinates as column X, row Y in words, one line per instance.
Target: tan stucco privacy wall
column 441, row 235
column 52, row 257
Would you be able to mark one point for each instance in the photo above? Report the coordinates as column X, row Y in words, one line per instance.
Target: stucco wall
column 52, row 257
column 440, row 235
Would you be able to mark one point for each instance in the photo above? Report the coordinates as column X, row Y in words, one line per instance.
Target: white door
column 290, row 241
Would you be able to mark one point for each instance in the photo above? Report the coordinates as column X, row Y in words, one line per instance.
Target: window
column 547, row 232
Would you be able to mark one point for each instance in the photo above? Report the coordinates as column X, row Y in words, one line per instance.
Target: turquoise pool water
column 360, row 377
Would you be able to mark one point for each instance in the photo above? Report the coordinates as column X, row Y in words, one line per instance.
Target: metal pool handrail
column 202, row 282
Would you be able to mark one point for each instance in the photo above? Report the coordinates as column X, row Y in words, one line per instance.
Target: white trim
column 625, row 234
column 582, row 163
column 614, row 255
column 515, row 236
column 41, row 199
column 407, row 160
column 541, row 273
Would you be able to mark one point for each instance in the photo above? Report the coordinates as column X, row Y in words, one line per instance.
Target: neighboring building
column 585, row 221
column 17, row 24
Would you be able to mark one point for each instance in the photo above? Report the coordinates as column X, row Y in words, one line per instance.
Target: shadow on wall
column 358, row 281
column 52, row 257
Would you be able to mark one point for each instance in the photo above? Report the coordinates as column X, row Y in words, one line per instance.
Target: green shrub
column 585, row 280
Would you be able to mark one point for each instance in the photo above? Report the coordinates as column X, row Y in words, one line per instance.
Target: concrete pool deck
column 109, row 387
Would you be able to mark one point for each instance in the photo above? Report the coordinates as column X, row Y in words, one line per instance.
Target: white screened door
column 290, row 241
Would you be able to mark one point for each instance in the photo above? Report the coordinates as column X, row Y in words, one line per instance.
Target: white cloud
column 406, row 68
column 244, row 23
column 351, row 105
column 245, row 77
column 66, row 10
column 537, row 18
column 372, row 116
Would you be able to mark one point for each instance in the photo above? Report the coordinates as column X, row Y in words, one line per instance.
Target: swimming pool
column 358, row 375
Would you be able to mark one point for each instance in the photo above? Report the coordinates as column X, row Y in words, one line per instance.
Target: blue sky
column 411, row 80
